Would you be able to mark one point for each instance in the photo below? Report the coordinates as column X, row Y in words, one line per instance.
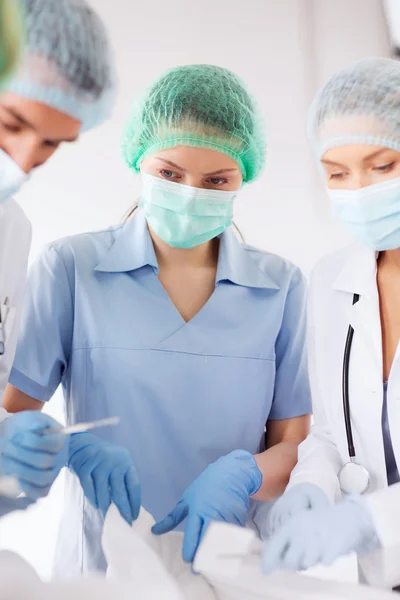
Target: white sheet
column 18, row 581
column 145, row 567
column 154, row 566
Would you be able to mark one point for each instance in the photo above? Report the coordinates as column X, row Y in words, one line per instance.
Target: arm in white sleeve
column 381, row 568
column 384, row 506
column 319, row 459
column 15, row 242
column 7, row 504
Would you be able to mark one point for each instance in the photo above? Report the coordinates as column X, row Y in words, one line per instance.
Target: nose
column 364, row 180
column 194, row 181
column 358, row 180
column 24, row 150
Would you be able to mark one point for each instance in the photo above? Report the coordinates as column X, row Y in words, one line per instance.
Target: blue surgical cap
column 67, row 62
column 358, row 105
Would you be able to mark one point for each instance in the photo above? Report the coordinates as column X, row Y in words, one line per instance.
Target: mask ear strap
column 240, row 234
column 131, row 211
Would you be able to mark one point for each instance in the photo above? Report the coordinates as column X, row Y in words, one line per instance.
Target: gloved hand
column 301, row 497
column 221, row 493
column 106, row 473
column 32, row 458
column 321, row 536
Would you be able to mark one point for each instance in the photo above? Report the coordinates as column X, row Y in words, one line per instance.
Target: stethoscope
column 354, row 478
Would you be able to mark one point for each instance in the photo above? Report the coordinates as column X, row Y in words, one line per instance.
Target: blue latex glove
column 221, row 493
column 321, row 536
column 106, row 473
column 32, row 458
column 304, row 496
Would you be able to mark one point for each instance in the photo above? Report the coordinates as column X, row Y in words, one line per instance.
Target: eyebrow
column 23, row 121
column 365, row 159
column 172, row 164
column 220, row 172
column 377, row 153
column 331, row 162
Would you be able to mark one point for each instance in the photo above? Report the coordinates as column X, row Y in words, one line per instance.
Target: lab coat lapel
column 364, row 317
column 358, row 276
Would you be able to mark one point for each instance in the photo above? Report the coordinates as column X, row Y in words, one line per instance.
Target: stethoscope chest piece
column 354, row 478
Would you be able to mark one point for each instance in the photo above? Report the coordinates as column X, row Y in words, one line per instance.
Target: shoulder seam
column 61, row 259
column 69, row 284
column 55, row 243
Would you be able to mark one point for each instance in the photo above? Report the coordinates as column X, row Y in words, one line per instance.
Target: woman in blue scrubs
column 195, row 340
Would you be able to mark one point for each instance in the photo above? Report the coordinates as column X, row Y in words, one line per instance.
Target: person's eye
column 218, row 181
column 385, row 168
column 11, row 127
column 51, row 144
column 337, row 175
column 167, row 174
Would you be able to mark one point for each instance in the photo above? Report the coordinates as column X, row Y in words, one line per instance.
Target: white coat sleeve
column 384, row 506
column 381, row 568
column 319, row 460
column 8, row 504
column 15, row 242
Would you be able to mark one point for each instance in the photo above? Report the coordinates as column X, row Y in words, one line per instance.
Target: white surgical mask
column 372, row 213
column 12, row 177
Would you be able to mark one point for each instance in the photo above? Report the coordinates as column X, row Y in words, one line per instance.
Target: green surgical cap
column 197, row 105
column 11, row 37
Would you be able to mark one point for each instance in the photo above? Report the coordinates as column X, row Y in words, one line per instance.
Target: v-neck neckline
column 172, row 305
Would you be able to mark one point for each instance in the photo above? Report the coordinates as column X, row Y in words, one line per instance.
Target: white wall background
column 284, row 50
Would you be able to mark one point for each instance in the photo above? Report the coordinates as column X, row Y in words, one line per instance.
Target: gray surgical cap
column 359, row 105
column 67, row 63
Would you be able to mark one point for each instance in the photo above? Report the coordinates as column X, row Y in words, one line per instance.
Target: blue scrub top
column 98, row 321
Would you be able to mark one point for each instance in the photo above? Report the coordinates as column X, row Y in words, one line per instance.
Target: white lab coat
column 334, row 281
column 15, row 241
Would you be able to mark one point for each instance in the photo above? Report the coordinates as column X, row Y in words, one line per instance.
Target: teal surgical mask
column 372, row 213
column 185, row 216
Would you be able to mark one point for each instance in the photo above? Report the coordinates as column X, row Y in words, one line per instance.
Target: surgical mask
column 12, row 177
column 185, row 216
column 372, row 213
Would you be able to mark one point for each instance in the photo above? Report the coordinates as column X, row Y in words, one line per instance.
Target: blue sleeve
column 292, row 397
column 45, row 337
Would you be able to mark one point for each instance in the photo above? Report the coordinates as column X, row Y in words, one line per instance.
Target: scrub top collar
column 238, row 264
column 133, row 249
column 358, row 274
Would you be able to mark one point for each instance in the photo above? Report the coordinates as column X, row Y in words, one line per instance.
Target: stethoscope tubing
column 345, row 387
column 359, row 476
